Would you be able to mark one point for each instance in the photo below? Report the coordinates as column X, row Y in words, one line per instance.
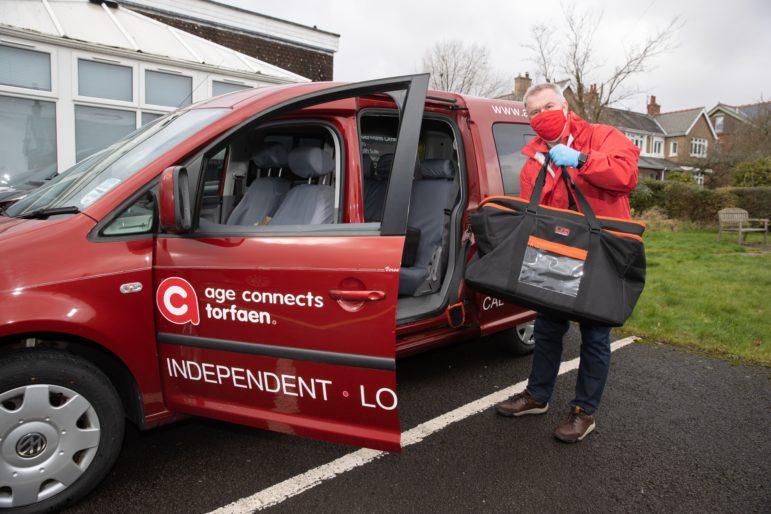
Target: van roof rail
column 442, row 99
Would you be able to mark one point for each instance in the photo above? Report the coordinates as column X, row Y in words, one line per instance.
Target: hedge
column 689, row 202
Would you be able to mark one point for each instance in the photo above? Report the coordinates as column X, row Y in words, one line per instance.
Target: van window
column 282, row 174
column 510, row 138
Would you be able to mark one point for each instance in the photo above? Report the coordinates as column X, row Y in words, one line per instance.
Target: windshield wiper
column 44, row 213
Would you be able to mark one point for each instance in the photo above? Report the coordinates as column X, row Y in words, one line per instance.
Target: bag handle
column 540, row 182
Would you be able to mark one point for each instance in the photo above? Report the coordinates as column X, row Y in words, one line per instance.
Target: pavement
column 676, row 432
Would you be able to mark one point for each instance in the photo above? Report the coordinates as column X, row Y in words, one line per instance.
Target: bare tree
column 576, row 57
column 462, row 68
column 544, row 50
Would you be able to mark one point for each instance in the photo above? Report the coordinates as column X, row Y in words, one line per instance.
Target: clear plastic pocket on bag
column 553, row 266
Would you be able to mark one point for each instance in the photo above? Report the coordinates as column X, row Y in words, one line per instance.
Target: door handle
column 356, row 296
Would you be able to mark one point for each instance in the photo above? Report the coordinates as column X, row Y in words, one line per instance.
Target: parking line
column 290, row 487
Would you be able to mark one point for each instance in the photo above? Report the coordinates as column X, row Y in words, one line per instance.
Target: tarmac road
column 676, row 432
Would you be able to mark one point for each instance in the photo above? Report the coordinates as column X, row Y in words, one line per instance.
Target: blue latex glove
column 562, row 155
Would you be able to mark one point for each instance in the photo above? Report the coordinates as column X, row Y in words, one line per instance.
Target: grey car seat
column 264, row 194
column 375, row 186
column 308, row 204
column 431, row 196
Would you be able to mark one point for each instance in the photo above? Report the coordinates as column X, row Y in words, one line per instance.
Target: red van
column 261, row 257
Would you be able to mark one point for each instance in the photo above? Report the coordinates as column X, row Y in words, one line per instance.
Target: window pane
column 25, row 68
column 97, row 128
column 104, row 80
column 510, row 138
column 168, row 89
column 27, row 140
column 147, row 117
column 220, row 88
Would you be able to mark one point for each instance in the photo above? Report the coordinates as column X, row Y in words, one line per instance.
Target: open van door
column 293, row 330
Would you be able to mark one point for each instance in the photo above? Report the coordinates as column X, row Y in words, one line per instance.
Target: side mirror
column 174, row 201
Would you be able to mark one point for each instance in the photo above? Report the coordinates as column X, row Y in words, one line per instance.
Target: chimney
column 592, row 97
column 521, row 84
column 653, row 107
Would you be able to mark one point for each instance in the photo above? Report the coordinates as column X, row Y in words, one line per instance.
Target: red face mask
column 549, row 124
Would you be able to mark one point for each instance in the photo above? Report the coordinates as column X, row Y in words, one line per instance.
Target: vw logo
column 31, row 445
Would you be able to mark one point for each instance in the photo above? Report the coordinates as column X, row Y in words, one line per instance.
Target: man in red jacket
column 603, row 164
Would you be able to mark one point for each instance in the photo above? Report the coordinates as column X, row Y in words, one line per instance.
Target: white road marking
column 300, row 483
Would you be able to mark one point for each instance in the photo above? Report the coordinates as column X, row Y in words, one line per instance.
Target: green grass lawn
column 704, row 295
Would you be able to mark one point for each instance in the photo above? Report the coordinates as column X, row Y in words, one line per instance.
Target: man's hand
column 562, row 155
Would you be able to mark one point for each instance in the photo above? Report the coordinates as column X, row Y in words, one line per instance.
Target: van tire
column 517, row 340
column 55, row 395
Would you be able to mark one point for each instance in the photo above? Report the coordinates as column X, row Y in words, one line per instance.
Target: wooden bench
column 733, row 219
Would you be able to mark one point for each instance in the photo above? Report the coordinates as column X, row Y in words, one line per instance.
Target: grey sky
column 722, row 50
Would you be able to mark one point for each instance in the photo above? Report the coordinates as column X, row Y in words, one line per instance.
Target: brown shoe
column 521, row 404
column 578, row 425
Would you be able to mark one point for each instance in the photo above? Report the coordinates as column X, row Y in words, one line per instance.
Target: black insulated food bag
column 570, row 264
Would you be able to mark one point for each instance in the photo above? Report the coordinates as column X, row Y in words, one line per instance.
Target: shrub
column 755, row 200
column 708, row 202
column 753, row 173
column 679, row 176
column 679, row 199
column 641, row 198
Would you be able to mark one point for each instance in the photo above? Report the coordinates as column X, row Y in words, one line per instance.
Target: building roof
column 742, row 112
column 121, row 31
column 657, row 163
column 219, row 14
column 629, row 120
column 678, row 123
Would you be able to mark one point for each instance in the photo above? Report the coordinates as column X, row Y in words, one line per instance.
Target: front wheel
column 517, row 340
column 61, row 429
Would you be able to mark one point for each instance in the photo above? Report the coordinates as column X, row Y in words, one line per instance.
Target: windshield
column 86, row 182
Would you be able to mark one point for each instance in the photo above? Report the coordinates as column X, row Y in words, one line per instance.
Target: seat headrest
column 384, row 165
column 310, row 161
column 272, row 155
column 367, row 167
column 437, row 168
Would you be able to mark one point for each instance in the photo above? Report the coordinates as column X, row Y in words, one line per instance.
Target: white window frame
column 26, row 92
column 699, row 147
column 673, row 148
column 95, row 101
column 232, row 80
column 657, row 141
column 637, row 138
column 196, row 80
column 721, row 119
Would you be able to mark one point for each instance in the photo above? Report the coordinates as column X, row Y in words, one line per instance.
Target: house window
column 147, row 117
column 98, row 127
column 658, row 147
column 673, row 148
column 104, row 80
column 169, row 89
column 20, row 67
column 637, row 140
column 719, row 119
column 220, row 88
column 698, row 147
column 27, row 140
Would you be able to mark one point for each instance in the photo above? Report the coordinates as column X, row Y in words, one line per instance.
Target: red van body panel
column 70, row 286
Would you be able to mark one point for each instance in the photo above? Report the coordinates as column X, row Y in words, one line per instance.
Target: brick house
column 648, row 135
column 726, row 119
